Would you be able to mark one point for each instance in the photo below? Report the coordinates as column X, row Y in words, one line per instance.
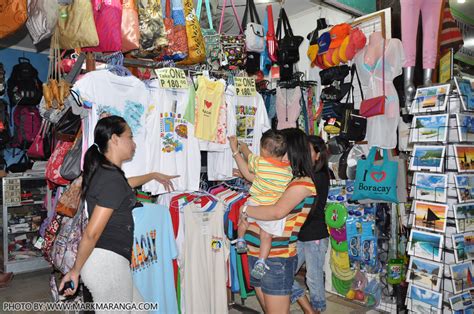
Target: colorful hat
column 312, row 52
column 343, row 48
column 335, row 57
column 327, row 58
column 338, row 33
column 323, row 42
column 357, row 41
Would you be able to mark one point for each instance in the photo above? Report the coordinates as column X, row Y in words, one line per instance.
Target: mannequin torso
column 374, row 50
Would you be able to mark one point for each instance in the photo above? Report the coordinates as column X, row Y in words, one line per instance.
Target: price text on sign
column 245, row 86
column 172, row 78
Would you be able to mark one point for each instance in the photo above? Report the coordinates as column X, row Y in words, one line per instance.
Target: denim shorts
column 277, row 280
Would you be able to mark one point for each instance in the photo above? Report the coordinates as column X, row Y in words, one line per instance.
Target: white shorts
column 273, row 227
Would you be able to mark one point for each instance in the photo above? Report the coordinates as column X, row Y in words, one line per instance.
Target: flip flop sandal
column 240, row 246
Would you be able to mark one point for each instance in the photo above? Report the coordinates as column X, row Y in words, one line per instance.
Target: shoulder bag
column 196, row 47
column 234, row 53
column 129, row 26
column 210, row 36
column 254, row 32
column 175, row 28
column 13, row 15
column 42, row 19
column 288, row 45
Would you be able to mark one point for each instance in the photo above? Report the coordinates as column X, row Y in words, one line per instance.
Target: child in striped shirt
column 270, row 176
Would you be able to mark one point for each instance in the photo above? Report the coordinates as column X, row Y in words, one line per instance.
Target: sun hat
column 338, row 33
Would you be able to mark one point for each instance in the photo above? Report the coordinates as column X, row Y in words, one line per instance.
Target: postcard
column 425, row 273
column 464, row 187
column 465, row 93
column 460, row 301
column 465, row 125
column 428, row 158
column 463, row 247
column 425, row 245
column 429, row 300
column 431, row 187
column 464, row 217
column 464, row 157
column 461, row 275
column 430, row 99
column 432, row 128
column 430, row 216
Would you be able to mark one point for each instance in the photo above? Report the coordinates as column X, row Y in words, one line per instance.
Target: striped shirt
column 271, row 179
column 284, row 246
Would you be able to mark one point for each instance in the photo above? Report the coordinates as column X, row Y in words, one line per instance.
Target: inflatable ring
column 342, row 273
column 339, row 246
column 341, row 286
column 340, row 259
column 338, row 234
column 335, row 215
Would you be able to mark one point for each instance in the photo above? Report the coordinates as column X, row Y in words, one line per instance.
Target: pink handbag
column 36, row 150
column 130, row 30
column 108, row 22
column 375, row 106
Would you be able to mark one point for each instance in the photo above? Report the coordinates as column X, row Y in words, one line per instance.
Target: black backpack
column 24, row 87
column 4, row 124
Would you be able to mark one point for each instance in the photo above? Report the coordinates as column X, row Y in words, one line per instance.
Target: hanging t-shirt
column 209, row 99
column 153, row 252
column 206, row 250
column 288, row 107
column 108, row 94
column 382, row 129
column 172, row 147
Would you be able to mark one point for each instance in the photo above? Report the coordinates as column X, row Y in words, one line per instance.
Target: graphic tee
column 126, row 96
column 209, row 100
column 154, row 249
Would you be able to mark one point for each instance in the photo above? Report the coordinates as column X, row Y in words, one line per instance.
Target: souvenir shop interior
column 188, row 77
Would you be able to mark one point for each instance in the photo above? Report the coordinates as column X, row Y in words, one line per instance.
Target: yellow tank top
column 209, row 98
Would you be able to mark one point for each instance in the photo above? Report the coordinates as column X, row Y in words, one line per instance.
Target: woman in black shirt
column 103, row 257
column 313, row 238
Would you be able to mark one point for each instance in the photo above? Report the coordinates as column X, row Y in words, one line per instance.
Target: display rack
column 438, row 283
column 23, row 199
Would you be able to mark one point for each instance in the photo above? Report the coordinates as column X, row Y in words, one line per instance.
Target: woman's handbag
column 175, row 27
column 70, row 200
column 330, row 75
column 196, row 46
column 254, row 32
column 108, row 22
column 71, row 167
column 211, row 38
column 42, row 19
column 272, row 43
column 375, row 106
column 53, row 174
column 76, row 26
column 376, row 181
column 129, row 26
column 68, row 126
column 234, row 53
column 41, row 146
column 13, row 15
column 288, row 45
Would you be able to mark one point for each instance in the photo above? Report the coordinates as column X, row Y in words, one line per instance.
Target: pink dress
column 288, row 107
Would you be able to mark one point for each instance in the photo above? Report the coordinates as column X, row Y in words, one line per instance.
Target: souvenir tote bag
column 196, row 47
column 129, row 27
column 376, row 182
column 175, row 27
column 42, row 19
column 375, row 106
column 254, row 31
column 211, row 37
column 13, row 15
column 234, row 53
column 108, row 22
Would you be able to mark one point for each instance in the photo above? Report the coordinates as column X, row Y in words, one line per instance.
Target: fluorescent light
column 461, row 1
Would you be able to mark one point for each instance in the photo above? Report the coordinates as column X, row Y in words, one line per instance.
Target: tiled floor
column 35, row 287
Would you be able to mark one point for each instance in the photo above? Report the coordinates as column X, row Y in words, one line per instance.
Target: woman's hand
column 165, row 180
column 70, row 276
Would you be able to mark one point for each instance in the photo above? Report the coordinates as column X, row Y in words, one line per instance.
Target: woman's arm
column 287, row 202
column 95, row 227
column 162, row 178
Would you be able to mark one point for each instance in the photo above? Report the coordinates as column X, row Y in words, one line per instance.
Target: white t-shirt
column 108, row 94
column 172, row 147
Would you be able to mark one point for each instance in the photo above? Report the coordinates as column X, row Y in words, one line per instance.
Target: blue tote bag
column 377, row 182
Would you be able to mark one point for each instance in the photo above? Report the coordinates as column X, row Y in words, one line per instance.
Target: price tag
column 172, row 78
column 245, row 86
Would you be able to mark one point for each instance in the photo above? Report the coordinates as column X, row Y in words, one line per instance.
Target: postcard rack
column 441, row 241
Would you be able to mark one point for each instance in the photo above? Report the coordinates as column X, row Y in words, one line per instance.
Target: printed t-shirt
column 285, row 245
column 126, row 96
column 209, row 99
column 271, row 179
column 153, row 252
column 109, row 188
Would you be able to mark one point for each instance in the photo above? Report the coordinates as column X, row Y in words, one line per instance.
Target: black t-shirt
column 109, row 188
column 314, row 227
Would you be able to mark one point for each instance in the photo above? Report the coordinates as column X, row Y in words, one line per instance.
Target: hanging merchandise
column 254, row 33
column 234, row 53
column 211, row 37
column 41, row 146
column 70, row 199
column 377, row 182
column 451, row 36
column 352, row 44
column 152, row 30
column 27, row 123
column 24, row 86
column 288, row 107
column 13, row 15
column 53, row 166
column 108, row 22
column 272, row 41
column 335, row 215
column 175, row 29
column 196, row 46
column 288, row 46
column 42, row 19
column 265, row 62
column 76, row 27
column 71, row 167
column 130, row 26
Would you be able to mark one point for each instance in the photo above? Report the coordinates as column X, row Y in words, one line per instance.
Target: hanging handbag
column 108, row 22
column 272, row 43
column 40, row 146
column 376, row 181
column 13, row 15
column 338, row 73
column 52, row 173
column 50, row 235
column 175, row 28
column 234, row 53
column 42, row 19
column 68, row 126
column 70, row 200
column 76, row 26
column 71, row 167
column 196, row 47
column 129, row 26
column 254, row 32
column 211, row 38
column 288, row 45
column 152, row 30
column 375, row 106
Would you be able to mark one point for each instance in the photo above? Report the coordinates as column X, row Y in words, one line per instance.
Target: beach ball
column 370, row 300
column 359, row 295
column 350, row 295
